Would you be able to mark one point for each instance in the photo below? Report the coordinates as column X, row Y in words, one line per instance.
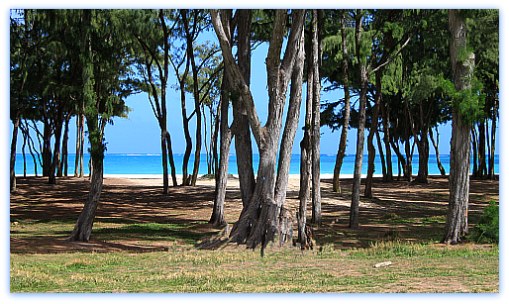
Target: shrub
column 487, row 228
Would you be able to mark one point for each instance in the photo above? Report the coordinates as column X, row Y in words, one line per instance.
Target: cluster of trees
column 400, row 73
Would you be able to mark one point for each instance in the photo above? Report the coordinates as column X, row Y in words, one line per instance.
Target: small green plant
column 487, row 228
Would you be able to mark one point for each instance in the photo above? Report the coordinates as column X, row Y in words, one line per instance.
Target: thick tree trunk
column 356, row 187
column 83, row 227
column 14, row 141
column 336, row 187
column 457, row 217
column 437, row 153
column 305, row 160
column 243, row 145
column 316, row 216
column 263, row 221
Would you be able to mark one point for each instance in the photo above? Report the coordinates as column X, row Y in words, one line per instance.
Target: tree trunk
column 388, row 154
column 83, row 228
column 336, row 187
column 373, row 128
column 437, row 153
column 56, row 150
column 423, row 148
column 243, row 145
column 187, row 134
column 217, row 217
column 491, row 163
column 164, row 160
column 46, row 150
column 172, row 161
column 475, row 151
column 263, row 220
column 316, row 216
column 482, row 149
column 62, row 171
column 13, row 153
column 356, row 187
column 457, row 217
column 382, row 156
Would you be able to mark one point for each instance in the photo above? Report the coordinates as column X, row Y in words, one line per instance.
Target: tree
column 264, row 219
column 106, row 83
column 465, row 101
column 153, row 34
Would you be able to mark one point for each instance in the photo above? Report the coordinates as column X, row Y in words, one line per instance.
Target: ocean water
column 130, row 163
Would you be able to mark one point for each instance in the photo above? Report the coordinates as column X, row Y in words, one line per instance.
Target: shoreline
column 179, row 176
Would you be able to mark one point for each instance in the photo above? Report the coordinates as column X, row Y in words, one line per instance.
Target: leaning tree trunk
column 336, row 187
column 457, row 217
column 13, row 153
column 83, row 227
column 437, row 153
column 356, row 187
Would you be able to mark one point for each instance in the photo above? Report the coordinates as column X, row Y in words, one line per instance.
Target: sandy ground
column 399, row 210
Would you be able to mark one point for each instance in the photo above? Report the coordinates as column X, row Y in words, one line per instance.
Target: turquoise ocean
column 139, row 163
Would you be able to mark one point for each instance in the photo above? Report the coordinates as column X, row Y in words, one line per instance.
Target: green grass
column 185, row 269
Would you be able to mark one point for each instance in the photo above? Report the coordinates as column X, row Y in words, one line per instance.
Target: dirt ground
column 399, row 210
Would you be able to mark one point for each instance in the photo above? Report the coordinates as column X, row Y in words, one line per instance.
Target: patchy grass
column 185, row 269
column 143, row 241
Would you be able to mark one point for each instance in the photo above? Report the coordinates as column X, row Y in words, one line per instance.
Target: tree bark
column 316, row 216
column 83, row 227
column 262, row 221
column 217, row 217
column 457, row 217
column 354, row 207
column 243, row 145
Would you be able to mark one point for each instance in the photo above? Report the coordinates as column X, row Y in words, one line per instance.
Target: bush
column 487, row 228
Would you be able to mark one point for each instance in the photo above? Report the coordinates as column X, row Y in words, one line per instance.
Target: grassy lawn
column 182, row 268
column 144, row 241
